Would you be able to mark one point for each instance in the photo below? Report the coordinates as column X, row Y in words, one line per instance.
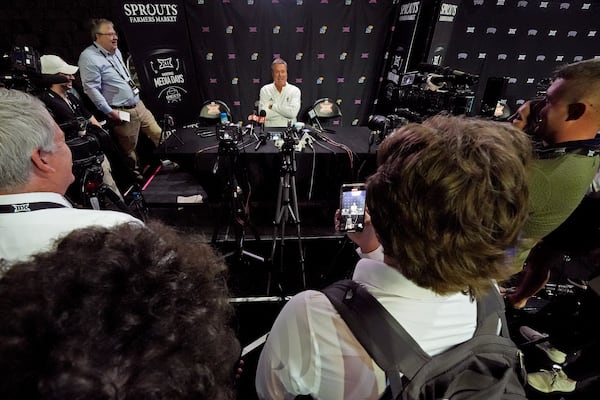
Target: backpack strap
column 386, row 341
column 490, row 308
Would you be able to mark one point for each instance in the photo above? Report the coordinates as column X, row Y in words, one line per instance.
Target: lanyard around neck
column 128, row 78
column 28, row 207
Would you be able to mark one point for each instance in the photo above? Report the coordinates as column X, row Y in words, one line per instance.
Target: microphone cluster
column 260, row 119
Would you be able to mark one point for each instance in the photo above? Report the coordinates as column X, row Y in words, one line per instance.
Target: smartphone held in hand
column 352, row 207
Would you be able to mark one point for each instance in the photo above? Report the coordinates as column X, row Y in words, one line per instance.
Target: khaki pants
column 108, row 179
column 127, row 133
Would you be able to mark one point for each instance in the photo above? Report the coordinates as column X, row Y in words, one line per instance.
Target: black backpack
column 485, row 367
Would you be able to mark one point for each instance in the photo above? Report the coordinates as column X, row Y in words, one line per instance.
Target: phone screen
column 352, row 207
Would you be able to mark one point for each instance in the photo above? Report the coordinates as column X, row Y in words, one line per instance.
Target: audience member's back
column 118, row 313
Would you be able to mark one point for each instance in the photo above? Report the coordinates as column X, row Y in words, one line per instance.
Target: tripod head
column 229, row 135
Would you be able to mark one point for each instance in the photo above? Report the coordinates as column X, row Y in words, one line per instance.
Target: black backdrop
column 334, row 48
column 520, row 40
column 523, row 41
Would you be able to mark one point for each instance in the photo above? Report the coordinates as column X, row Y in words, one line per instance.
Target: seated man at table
column 280, row 99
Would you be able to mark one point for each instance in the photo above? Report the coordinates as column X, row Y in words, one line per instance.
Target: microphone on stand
column 261, row 120
column 262, row 138
column 253, row 119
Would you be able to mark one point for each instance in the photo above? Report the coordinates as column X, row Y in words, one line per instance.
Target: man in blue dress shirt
column 107, row 82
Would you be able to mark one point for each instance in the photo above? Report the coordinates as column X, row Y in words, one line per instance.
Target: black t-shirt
column 65, row 113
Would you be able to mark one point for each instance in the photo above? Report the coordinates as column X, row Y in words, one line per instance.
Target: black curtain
column 333, row 49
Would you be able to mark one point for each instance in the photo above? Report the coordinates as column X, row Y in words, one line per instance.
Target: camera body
column 228, row 135
column 229, row 132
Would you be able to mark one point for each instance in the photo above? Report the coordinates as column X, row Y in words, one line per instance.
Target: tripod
column 287, row 208
column 236, row 209
column 92, row 192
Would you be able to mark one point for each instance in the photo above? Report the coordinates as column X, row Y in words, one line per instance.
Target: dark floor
column 260, row 287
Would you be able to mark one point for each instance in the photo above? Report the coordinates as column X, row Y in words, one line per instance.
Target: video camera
column 20, row 68
column 289, row 138
column 433, row 89
column 228, row 135
column 381, row 126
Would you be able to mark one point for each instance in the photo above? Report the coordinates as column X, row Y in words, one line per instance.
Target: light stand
column 287, row 205
column 236, row 209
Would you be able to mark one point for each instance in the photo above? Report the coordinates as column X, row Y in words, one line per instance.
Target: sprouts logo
column 166, row 72
column 144, row 13
column 447, row 12
column 409, row 11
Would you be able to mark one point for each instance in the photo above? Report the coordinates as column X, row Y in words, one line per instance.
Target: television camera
column 419, row 94
column 433, row 90
column 87, row 163
column 380, row 125
column 21, row 69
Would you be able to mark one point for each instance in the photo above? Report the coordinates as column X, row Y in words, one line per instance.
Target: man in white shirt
column 280, row 99
column 447, row 200
column 35, row 172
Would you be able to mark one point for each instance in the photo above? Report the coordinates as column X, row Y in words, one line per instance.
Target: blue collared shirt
column 105, row 79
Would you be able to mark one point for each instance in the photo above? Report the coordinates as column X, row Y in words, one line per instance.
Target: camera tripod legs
column 287, row 210
column 237, row 217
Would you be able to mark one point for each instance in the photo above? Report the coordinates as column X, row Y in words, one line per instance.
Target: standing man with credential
column 107, row 82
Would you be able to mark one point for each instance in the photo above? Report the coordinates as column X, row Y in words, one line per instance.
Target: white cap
column 52, row 64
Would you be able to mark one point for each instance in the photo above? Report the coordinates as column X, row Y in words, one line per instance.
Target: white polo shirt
column 24, row 233
column 310, row 349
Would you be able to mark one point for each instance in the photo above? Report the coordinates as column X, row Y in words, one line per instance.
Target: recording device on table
column 352, row 207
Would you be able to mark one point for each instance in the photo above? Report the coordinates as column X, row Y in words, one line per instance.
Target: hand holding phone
column 352, row 207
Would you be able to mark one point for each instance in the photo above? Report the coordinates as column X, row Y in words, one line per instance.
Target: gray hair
column 25, row 125
column 278, row 61
column 96, row 24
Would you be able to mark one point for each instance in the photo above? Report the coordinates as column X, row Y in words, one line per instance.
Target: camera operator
column 67, row 109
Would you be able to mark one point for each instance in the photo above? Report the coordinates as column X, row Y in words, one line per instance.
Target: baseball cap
column 52, row 64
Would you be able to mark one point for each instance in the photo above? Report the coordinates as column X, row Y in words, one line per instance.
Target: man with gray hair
column 280, row 99
column 35, row 172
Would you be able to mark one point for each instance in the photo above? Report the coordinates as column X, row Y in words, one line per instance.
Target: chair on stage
column 323, row 113
column 210, row 112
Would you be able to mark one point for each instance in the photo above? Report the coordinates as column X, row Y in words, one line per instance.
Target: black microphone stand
column 262, row 139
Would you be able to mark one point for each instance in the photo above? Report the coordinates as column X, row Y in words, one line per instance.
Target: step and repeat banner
column 190, row 51
column 522, row 41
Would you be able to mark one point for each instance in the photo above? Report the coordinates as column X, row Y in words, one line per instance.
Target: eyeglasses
column 107, row 34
